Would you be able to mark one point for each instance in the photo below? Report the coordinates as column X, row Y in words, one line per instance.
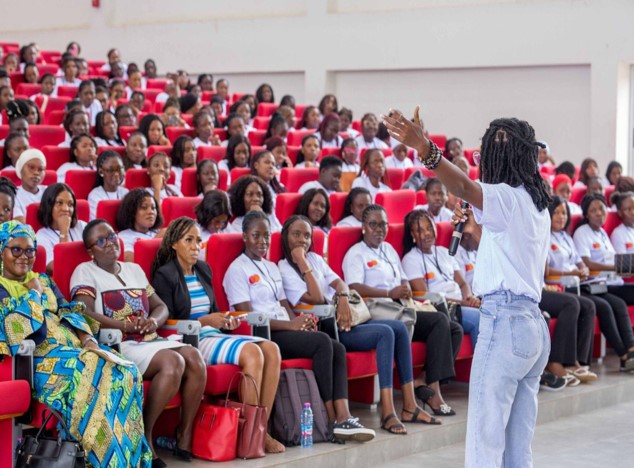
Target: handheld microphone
column 456, row 237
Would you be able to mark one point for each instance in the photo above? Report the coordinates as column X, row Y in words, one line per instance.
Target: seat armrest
column 567, row 282
column 323, row 311
column 23, row 370
column 26, row 348
column 110, row 336
column 260, row 323
column 190, row 329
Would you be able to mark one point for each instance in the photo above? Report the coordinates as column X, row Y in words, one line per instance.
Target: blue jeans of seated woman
column 471, row 323
column 512, row 352
column 391, row 341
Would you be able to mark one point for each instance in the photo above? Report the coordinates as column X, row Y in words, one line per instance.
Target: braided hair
column 412, row 219
column 509, row 155
column 175, row 232
column 286, row 248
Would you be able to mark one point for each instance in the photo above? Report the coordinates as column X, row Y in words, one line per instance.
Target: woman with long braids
column 513, row 344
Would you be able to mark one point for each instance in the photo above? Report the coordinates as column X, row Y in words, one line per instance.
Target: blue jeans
column 391, row 340
column 512, row 351
column 471, row 323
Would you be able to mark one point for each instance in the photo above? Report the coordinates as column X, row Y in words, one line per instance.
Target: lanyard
column 435, row 263
column 266, row 277
column 562, row 237
column 382, row 256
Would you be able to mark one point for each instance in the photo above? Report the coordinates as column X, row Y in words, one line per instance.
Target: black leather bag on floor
column 50, row 452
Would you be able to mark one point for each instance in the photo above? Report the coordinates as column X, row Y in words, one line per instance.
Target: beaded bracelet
column 433, row 158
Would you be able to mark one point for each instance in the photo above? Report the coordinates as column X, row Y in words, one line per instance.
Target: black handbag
column 624, row 264
column 453, row 310
column 50, row 452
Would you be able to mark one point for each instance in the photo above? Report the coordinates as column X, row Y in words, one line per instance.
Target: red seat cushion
column 15, row 398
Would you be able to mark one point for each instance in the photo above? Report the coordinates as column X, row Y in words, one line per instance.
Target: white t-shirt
column 574, row 208
column 130, row 236
column 24, row 199
column 175, row 192
column 375, row 143
column 258, row 282
column 436, row 268
column 295, row 287
column 92, row 111
column 99, row 193
column 364, row 181
column 352, row 133
column 350, row 221
column 467, row 261
column 101, row 142
column 350, row 167
column 444, row 214
column 198, row 143
column 593, row 244
column 70, row 166
column 562, row 254
column 336, row 143
column 48, row 238
column 236, row 224
column 514, row 244
column 622, row 239
column 378, row 268
column 392, row 162
column 314, row 184
column 303, row 164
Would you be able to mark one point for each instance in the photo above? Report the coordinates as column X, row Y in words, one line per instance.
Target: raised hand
column 409, row 133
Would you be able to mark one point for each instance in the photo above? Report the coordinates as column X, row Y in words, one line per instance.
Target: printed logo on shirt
column 596, row 245
column 254, row 279
column 468, row 267
column 554, row 247
column 373, row 263
column 629, row 245
column 431, row 276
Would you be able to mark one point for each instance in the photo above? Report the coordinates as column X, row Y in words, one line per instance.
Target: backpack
column 296, row 387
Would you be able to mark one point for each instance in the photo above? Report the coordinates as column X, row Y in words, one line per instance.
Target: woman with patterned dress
column 100, row 401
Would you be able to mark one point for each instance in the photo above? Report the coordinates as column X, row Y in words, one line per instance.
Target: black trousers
column 614, row 319
column 328, row 355
column 573, row 335
column 443, row 338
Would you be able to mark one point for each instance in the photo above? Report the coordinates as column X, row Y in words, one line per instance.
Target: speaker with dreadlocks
column 513, row 343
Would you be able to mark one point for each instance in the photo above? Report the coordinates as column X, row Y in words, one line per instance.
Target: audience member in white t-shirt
column 70, row 73
column 159, row 168
column 277, row 146
column 30, row 169
column 250, row 193
column 183, row 157
column 238, row 155
column 311, row 118
column 138, row 218
column 58, row 215
column 345, row 123
column 244, row 109
column 47, row 88
column 107, row 130
column 589, row 168
column 562, row 187
column 75, row 123
column 350, row 156
column 8, row 192
column 222, row 91
column 436, row 201
column 399, row 159
column 235, row 125
column 135, row 151
column 369, row 130
column 356, row 202
column 329, row 176
column 315, row 206
column 212, row 214
column 108, row 185
column 328, row 132
column 263, row 166
column 623, row 235
column 92, row 106
column 204, row 130
column 14, row 145
column 153, row 129
column 83, row 156
column 309, row 153
column 373, row 175
column 613, row 172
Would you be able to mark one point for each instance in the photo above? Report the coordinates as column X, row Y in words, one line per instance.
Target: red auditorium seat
column 120, row 150
column 217, row 153
column 145, row 252
column 547, row 171
column 337, row 203
column 299, row 110
column 577, row 194
column 231, row 246
column 49, row 104
column 395, row 237
column 294, row 178
column 159, row 149
column 238, row 172
column 150, row 95
column 575, row 219
column 175, row 207
column 474, row 173
column 82, row 207
column 292, row 152
column 295, row 138
column 444, row 231
column 266, row 109
column 286, row 204
column 108, row 209
column 340, row 239
column 329, row 152
column 139, row 178
column 608, row 191
column 440, row 140
column 55, row 117
column 125, row 132
column 82, row 182
column 421, row 198
column 42, row 135
column 611, row 222
column 256, row 137
column 67, row 91
column 397, row 203
column 56, row 156
column 221, row 133
column 174, row 132
column 189, row 182
column 395, row 178
column 28, row 89
column 261, row 123
column 156, row 83
column 468, row 153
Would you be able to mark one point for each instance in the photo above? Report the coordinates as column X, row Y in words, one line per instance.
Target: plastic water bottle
column 307, row 426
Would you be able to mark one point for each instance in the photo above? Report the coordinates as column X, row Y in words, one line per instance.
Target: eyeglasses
column 18, row 251
column 376, row 225
column 101, row 242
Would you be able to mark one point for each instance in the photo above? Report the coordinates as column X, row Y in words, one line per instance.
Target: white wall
column 563, row 65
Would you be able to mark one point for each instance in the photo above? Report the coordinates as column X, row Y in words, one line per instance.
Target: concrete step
column 610, row 389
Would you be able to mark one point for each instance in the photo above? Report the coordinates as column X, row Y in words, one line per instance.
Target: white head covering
column 27, row 156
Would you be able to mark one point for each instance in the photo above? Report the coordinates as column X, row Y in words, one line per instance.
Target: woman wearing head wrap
column 101, row 402
column 30, row 169
column 562, row 187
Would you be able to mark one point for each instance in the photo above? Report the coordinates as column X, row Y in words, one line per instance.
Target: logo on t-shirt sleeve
column 469, row 267
column 254, row 279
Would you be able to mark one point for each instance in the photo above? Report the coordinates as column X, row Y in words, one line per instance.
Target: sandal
column 415, row 419
column 571, row 380
column 391, row 429
column 582, row 374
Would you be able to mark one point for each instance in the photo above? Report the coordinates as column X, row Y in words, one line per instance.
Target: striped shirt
column 199, row 299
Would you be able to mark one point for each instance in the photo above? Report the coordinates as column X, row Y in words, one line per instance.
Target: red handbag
column 252, row 422
column 215, row 434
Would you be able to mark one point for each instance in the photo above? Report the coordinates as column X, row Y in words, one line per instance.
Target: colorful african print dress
column 101, row 402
